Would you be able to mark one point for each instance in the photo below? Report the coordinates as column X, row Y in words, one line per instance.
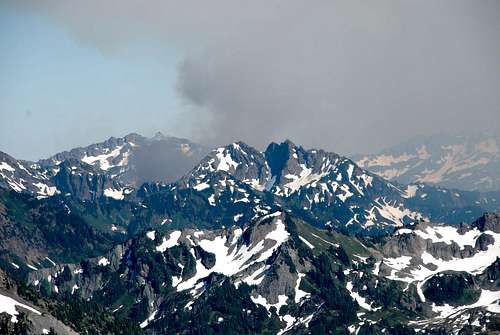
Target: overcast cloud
column 347, row 76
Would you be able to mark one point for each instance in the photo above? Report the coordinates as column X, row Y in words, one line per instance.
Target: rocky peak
column 283, row 166
column 158, row 136
column 293, row 167
column 238, row 160
column 134, row 137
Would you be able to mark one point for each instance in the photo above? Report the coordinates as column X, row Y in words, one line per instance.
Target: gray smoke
column 162, row 161
column 343, row 75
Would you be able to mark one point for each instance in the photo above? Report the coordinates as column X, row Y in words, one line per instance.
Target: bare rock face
column 83, row 181
column 489, row 221
column 484, row 241
column 490, row 278
column 406, row 244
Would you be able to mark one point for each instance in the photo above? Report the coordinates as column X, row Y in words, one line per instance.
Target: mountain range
column 163, row 236
column 131, row 160
column 468, row 162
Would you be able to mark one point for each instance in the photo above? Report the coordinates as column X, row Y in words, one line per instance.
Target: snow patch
column 45, row 190
column 260, row 300
column 299, row 294
column 102, row 160
column 411, row 191
column 448, row 235
column 359, row 299
column 487, row 299
column 115, row 194
column 306, row 242
column 103, row 261
column 148, row 320
column 201, row 186
column 151, row 235
column 7, row 167
column 226, row 162
column 172, row 241
column 239, row 259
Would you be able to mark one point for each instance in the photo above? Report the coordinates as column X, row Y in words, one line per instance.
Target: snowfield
column 9, row 306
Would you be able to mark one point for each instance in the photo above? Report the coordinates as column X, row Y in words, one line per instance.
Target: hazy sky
column 346, row 76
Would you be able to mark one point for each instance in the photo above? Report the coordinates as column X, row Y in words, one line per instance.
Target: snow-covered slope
column 70, row 177
column 429, row 277
column 327, row 188
column 463, row 162
column 431, row 258
column 23, row 176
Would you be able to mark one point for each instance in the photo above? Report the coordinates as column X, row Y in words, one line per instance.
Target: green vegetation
column 88, row 317
column 223, row 309
column 323, row 239
column 451, row 288
column 22, row 327
column 328, row 283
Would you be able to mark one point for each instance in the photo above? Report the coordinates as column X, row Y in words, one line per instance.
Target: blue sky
column 55, row 91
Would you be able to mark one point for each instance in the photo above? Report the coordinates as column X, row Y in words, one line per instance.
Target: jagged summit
column 283, row 167
column 325, row 187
